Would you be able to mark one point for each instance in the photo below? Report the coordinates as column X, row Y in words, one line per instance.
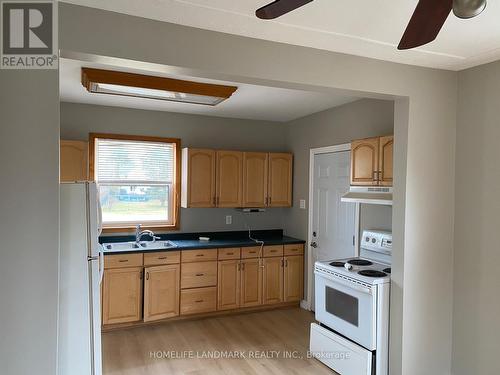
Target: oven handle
column 334, row 279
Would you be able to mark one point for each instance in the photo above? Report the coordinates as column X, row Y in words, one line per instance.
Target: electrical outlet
column 229, row 219
column 303, row 204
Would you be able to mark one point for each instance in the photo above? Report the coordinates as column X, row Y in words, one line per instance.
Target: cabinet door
column 272, row 280
column 74, row 161
column 385, row 160
column 122, row 295
column 161, row 292
column 229, row 183
column 198, row 178
column 364, row 161
column 255, row 175
column 280, row 180
column 251, row 282
column 293, row 278
column 228, row 285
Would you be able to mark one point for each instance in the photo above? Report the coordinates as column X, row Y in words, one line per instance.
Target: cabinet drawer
column 196, row 275
column 122, row 260
column 198, row 300
column 295, row 249
column 229, row 253
column 273, row 251
column 198, row 255
column 250, row 252
column 164, row 257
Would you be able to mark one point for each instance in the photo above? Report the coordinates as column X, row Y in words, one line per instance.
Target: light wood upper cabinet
column 251, row 283
column 161, row 292
column 73, row 161
column 229, row 182
column 228, row 285
column 385, row 160
column 293, row 278
column 364, row 161
column 198, row 178
column 122, row 295
column 255, row 172
column 272, row 280
column 280, row 180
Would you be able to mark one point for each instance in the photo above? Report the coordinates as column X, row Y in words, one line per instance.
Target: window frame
column 176, row 186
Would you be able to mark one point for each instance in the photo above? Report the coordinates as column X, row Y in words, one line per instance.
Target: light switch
column 303, row 204
column 229, row 219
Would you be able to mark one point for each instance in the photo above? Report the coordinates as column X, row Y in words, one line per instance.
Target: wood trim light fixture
column 151, row 87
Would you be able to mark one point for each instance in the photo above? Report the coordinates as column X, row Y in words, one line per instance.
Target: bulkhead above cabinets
column 233, row 179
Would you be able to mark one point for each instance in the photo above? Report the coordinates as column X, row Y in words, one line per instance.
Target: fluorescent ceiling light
column 107, row 88
column 150, row 87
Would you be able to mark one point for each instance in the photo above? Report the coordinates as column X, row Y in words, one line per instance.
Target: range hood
column 369, row 195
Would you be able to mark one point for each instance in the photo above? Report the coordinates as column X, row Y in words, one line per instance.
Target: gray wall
column 476, row 326
column 29, row 221
column 360, row 119
column 78, row 120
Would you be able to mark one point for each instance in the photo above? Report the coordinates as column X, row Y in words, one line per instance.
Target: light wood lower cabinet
column 199, row 300
column 122, row 295
column 251, row 282
column 155, row 286
column 293, row 274
column 272, row 280
column 228, row 284
column 161, row 292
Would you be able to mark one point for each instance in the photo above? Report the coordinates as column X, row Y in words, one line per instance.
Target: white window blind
column 136, row 180
column 134, row 162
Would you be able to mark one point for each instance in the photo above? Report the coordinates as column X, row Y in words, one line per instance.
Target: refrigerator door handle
column 101, row 264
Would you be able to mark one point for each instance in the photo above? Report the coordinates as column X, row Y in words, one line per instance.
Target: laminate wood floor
column 260, row 339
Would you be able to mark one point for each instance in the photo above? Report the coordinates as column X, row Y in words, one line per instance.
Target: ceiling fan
column 425, row 24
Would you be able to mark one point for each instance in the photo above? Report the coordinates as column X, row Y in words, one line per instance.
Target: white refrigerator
column 81, row 269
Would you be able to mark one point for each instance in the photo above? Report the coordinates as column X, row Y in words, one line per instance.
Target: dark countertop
column 189, row 241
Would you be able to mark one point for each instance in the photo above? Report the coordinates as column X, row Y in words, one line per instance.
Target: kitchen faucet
column 139, row 234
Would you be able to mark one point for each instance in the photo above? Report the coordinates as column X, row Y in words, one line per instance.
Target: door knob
column 314, row 244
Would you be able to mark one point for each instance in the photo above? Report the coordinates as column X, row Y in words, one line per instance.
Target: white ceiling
column 370, row 28
column 248, row 102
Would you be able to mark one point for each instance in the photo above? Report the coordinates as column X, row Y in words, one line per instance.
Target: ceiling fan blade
column 278, row 8
column 426, row 22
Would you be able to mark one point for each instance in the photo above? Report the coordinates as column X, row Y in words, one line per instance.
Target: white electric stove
column 352, row 308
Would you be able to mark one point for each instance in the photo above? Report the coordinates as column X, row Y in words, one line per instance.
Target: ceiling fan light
column 468, row 8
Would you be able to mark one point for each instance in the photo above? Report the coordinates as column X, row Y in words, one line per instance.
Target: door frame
column 308, row 304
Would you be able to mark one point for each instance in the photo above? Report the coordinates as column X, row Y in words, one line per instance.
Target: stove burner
column 359, row 262
column 337, row 264
column 387, row 270
column 372, row 273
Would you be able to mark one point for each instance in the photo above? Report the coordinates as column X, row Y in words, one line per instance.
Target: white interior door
column 333, row 222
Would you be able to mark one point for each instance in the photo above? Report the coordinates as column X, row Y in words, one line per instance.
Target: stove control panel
column 378, row 241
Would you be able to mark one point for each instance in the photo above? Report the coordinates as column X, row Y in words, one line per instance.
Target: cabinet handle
column 239, row 266
column 200, row 255
column 200, row 274
column 123, row 260
column 140, row 275
column 147, row 275
column 162, row 258
column 286, row 262
column 282, row 262
column 243, row 266
column 230, row 254
column 199, row 301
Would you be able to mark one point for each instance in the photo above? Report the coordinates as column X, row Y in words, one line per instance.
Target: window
column 138, row 179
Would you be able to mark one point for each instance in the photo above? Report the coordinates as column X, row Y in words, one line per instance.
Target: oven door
column 348, row 308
